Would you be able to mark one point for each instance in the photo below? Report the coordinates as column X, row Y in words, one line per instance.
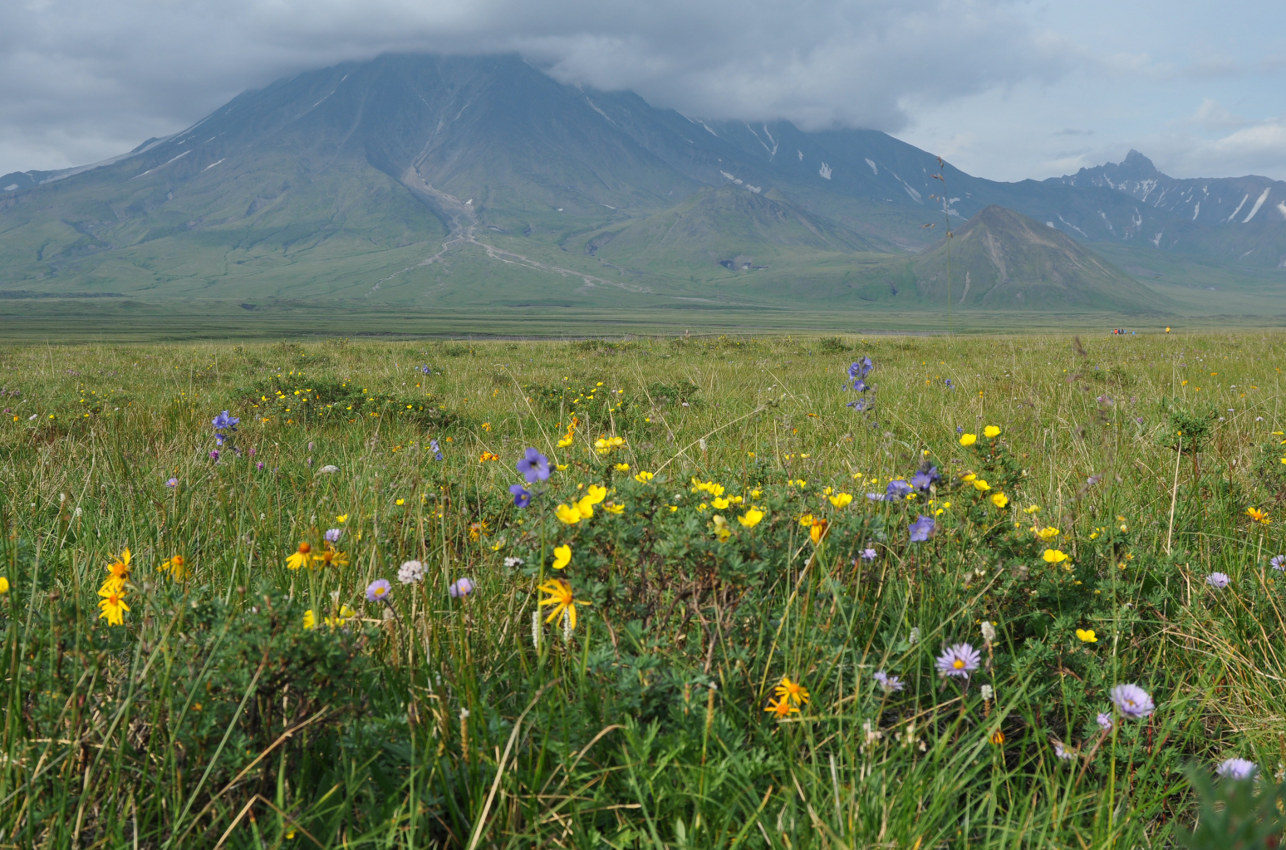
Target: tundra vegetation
column 663, row 592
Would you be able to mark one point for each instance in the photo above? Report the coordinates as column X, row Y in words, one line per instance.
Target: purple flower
column 860, row 369
column 1063, row 752
column 1236, row 769
column 1217, row 580
column 534, row 466
column 377, row 591
column 173, row 482
column 425, row 369
column 437, row 452
column 1104, row 721
column 214, row 454
column 1132, row 701
column 1278, row 563
column 925, row 478
column 887, row 682
column 868, row 554
column 921, row 528
column 950, row 385
column 332, row 535
column 897, row 489
column 521, row 497
column 224, row 422
column 259, row 465
column 858, row 404
column 958, row 661
column 460, row 587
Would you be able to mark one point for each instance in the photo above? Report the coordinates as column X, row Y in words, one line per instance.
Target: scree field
column 668, row 592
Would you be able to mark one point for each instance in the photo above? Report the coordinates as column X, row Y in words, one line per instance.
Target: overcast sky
column 1000, row 88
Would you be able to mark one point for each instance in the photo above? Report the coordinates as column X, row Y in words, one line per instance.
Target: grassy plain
column 246, row 702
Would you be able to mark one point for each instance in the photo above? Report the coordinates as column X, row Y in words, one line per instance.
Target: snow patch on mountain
column 162, row 165
column 1258, row 203
column 1281, row 208
column 1244, row 198
column 874, row 169
column 825, row 171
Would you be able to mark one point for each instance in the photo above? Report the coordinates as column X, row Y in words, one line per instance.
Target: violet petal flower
column 921, row 528
column 534, row 466
column 959, row 660
column 1132, row 701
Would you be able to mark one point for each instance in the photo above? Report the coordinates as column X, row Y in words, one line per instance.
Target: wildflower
column 721, row 529
column 988, row 632
column 377, row 590
column 561, row 597
column 332, row 535
column 751, row 517
column 968, row 439
column 460, row 587
column 486, row 457
column 997, row 737
column 621, row 467
column 1104, row 721
column 1046, row 534
column 1256, row 515
column 614, row 508
column 1132, row 701
column 331, row 557
column 981, row 485
column 1000, row 500
column 341, row 518
column 1217, row 580
column 988, row 693
column 514, row 562
column 521, row 497
column 1064, row 752
column 567, row 514
column 897, row 489
column 301, row 557
column 818, row 530
column 172, row 483
column 585, row 506
column 1054, row 556
column 328, row 469
column 410, row 572
column 921, row 528
column 958, row 661
column 781, row 708
column 4, row 585
column 595, row 493
column 868, row 554
column 840, row 500
column 991, row 432
column 562, row 556
column 925, row 478
column 177, row 567
column 310, row 619
column 119, row 572
column 1278, row 563
column 1086, row 636
column 437, row 451
column 792, row 692
column 345, row 614
column 889, row 683
column 1236, row 768
column 112, row 605
column 643, row 477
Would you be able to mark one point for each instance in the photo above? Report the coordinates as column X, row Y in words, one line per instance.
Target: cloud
column 112, row 72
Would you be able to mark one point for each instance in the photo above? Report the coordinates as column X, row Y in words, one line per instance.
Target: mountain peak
column 1138, row 165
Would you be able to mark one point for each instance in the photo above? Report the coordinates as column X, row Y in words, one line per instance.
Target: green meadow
column 663, row 591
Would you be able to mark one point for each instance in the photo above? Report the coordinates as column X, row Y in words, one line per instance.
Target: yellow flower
column 643, row 477
column 568, row 514
column 991, row 432
column 751, row 517
column 301, row 557
column 112, row 605
column 840, row 500
column 177, row 567
column 310, row 619
column 331, row 558
column 562, row 556
column 997, row 737
column 999, row 500
column 4, row 585
column 566, row 441
column 968, row 439
column 781, row 708
column 719, row 503
column 621, row 467
column 119, row 570
column 981, row 485
column 341, row 518
column 818, row 530
column 721, row 529
column 1255, row 514
column 1047, row 533
column 345, row 614
column 595, row 494
column 790, row 691
column 1054, row 556
column 1086, row 636
column 614, row 508
column 585, row 507
column 563, row 600
column 1032, row 509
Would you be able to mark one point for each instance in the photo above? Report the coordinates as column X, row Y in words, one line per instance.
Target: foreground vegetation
column 969, row 592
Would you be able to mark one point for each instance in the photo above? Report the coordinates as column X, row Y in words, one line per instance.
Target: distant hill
column 465, row 182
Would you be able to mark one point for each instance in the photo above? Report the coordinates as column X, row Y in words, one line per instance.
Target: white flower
column 410, row 572
column 328, row 469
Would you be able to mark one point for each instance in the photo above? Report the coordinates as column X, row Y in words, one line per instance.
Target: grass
column 245, row 703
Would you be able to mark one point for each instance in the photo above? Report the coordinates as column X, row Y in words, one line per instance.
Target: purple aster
column 377, row 591
column 1217, row 580
column 521, row 497
column 1278, row 563
column 1236, row 769
column 173, row 482
column 534, row 466
column 1104, row 721
column 868, row 554
column 214, row 454
column 332, row 535
column 887, row 682
column 958, row 661
column 921, row 528
column 460, row 587
column 1132, row 701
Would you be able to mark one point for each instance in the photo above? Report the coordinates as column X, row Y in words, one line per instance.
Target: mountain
column 471, row 182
